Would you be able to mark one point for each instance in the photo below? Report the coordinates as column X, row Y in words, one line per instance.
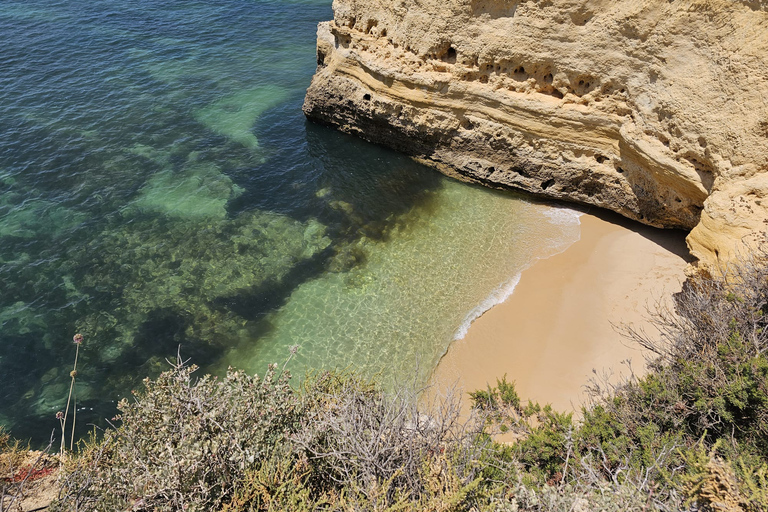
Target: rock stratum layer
column 655, row 109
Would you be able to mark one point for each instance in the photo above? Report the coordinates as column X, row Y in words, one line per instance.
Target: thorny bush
column 352, row 432
column 250, row 443
column 183, row 442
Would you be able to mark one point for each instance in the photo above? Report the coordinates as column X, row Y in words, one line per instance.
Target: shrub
column 12, row 455
column 710, row 377
column 502, row 396
column 381, row 449
column 21, row 472
column 183, row 443
column 245, row 443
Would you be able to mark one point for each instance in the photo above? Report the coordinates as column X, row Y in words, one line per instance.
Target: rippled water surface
column 160, row 187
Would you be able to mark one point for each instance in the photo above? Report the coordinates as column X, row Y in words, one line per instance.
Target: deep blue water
column 161, row 188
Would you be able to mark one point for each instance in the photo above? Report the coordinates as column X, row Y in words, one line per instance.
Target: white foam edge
column 497, row 296
column 558, row 215
column 563, row 215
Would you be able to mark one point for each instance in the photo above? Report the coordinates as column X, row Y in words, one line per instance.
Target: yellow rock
column 657, row 110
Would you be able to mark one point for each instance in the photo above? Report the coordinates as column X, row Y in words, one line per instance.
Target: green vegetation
column 691, row 434
column 12, row 455
column 20, row 472
column 693, row 429
column 250, row 443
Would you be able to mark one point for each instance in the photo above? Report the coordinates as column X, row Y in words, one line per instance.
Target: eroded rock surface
column 657, row 110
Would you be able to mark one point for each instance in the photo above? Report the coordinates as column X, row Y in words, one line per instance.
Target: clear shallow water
column 408, row 296
column 159, row 186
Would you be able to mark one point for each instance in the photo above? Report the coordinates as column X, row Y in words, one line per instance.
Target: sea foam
column 499, row 295
column 569, row 221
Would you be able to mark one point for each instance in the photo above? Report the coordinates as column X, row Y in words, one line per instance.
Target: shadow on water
column 101, row 103
column 352, row 188
column 255, row 302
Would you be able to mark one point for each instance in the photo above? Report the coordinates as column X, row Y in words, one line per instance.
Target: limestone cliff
column 655, row 109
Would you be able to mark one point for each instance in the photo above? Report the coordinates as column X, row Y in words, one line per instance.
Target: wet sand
column 556, row 327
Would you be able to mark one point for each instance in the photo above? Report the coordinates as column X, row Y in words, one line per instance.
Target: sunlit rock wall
column 657, row 110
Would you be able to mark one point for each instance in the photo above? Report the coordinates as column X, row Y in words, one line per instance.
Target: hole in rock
column 557, row 94
column 601, row 159
column 367, row 97
column 451, row 55
column 545, row 185
column 581, row 18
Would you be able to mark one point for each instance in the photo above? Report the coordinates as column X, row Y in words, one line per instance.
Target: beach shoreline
column 556, row 330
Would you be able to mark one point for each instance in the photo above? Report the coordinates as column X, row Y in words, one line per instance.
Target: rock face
column 655, row 109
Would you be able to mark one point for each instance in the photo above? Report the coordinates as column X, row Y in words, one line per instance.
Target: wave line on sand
column 560, row 216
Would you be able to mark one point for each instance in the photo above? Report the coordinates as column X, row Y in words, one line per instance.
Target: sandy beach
column 556, row 328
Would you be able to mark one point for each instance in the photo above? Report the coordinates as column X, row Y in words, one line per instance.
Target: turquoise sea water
column 160, row 188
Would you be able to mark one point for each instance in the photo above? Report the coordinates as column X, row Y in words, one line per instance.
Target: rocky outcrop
column 657, row 109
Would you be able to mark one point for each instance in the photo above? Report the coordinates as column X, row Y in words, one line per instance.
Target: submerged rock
column 142, row 288
column 190, row 271
column 656, row 110
column 198, row 191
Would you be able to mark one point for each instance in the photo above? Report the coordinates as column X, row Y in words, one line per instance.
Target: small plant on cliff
column 21, row 470
column 12, row 455
column 71, row 398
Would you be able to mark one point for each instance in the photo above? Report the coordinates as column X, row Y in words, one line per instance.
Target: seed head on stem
column 78, row 340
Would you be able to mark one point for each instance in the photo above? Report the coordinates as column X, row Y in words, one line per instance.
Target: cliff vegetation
column 691, row 434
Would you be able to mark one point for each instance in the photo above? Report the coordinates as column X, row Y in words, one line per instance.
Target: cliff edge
column 657, row 109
